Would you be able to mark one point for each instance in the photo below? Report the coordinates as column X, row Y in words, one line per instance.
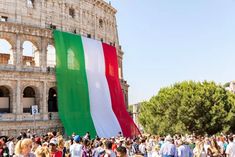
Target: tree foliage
column 189, row 107
column 130, row 109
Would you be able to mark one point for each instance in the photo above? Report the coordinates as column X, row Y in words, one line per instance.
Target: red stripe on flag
column 128, row 126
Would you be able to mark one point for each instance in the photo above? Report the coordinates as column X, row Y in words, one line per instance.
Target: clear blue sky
column 168, row 41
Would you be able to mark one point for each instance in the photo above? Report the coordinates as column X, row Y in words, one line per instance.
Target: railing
column 30, row 117
column 7, row 117
column 27, row 117
column 24, row 68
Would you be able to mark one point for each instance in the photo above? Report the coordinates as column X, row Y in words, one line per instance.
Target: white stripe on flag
column 104, row 119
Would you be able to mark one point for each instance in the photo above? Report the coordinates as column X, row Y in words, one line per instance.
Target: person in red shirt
column 114, row 146
column 54, row 152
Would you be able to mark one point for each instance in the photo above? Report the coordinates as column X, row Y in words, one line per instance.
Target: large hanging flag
column 89, row 92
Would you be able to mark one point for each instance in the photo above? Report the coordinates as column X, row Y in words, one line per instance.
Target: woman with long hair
column 214, row 149
column 23, row 148
column 199, row 150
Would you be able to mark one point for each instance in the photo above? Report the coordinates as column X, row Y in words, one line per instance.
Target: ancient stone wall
column 32, row 21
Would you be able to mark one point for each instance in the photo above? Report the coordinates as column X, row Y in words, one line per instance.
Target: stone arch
column 52, row 100
column 51, row 56
column 30, row 96
column 30, row 54
column 36, row 41
column 9, row 37
column 6, row 52
column 6, row 96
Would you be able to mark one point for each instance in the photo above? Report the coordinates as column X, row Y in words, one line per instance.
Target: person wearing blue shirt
column 168, row 149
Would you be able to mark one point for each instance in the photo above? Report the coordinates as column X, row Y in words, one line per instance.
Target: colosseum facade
column 27, row 56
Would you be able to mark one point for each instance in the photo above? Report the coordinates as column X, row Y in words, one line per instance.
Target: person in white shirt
column 11, row 146
column 230, row 150
column 98, row 150
column 142, row 147
column 76, row 148
column 206, row 144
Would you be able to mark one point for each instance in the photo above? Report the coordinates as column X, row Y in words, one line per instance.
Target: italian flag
column 90, row 97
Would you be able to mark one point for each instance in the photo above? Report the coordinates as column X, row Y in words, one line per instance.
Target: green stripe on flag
column 72, row 86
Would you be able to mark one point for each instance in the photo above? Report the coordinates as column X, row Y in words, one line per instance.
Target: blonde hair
column 198, row 148
column 61, row 142
column 22, row 144
column 42, row 152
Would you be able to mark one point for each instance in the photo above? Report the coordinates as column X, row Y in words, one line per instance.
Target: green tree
column 130, row 109
column 187, row 107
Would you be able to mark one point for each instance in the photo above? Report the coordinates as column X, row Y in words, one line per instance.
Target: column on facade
column 19, row 107
column 116, row 32
column 14, row 50
column 19, row 51
column 44, row 101
column 95, row 20
column 80, row 21
column 14, row 99
column 62, row 7
column 43, row 54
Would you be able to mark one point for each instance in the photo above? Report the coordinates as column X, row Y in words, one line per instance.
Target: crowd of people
column 53, row 144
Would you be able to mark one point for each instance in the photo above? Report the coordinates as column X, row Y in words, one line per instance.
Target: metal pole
column 34, row 128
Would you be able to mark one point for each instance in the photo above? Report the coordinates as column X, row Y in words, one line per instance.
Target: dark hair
column 108, row 144
column 121, row 149
column 136, row 139
column 54, row 133
column 100, row 143
column 86, row 142
column 4, row 139
column 230, row 138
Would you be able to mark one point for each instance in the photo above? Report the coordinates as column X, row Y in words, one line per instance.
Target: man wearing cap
column 53, row 149
column 76, row 148
column 168, row 149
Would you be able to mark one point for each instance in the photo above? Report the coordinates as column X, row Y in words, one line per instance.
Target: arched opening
column 51, row 56
column 6, row 53
column 72, row 12
column 30, row 3
column 52, row 100
column 28, row 99
column 30, row 54
column 4, row 100
column 100, row 23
